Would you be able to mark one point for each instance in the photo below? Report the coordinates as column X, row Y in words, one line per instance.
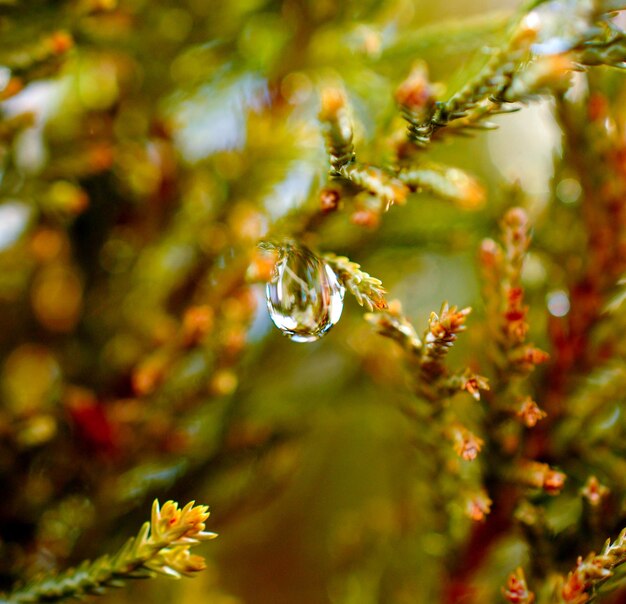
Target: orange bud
column 329, row 200
column 416, row 93
column 466, row 444
column 594, row 492
column 530, row 413
column 100, row 157
column 478, row 507
column 516, row 590
column 333, row 100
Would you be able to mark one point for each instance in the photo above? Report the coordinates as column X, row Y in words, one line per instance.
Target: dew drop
column 558, row 303
column 304, row 296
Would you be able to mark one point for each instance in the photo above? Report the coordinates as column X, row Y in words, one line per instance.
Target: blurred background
column 145, row 148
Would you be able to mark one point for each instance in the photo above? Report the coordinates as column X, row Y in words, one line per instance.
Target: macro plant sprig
column 427, row 354
column 581, row 585
column 516, row 73
column 504, row 296
column 534, row 63
column 376, row 189
column 162, row 546
column 156, row 143
column 368, row 291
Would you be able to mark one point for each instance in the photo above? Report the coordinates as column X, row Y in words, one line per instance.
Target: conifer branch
column 393, row 324
column 611, row 51
column 513, row 74
column 161, row 546
column 582, row 583
column 380, row 183
column 428, row 353
column 506, row 317
column 488, row 88
column 368, row 291
column 504, row 295
column 442, row 332
column 445, row 182
column 337, row 130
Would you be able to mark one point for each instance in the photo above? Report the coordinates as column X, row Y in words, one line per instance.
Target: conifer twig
column 582, row 583
column 488, row 86
column 514, row 74
column 428, row 353
column 161, row 546
column 392, row 324
column 338, row 132
column 380, row 183
column 502, row 271
column 605, row 52
column 337, row 129
column 368, row 291
column 445, row 182
column 442, row 332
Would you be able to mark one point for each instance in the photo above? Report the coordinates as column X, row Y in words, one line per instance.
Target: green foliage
column 161, row 546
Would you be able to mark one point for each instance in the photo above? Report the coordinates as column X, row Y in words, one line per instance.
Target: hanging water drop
column 304, row 296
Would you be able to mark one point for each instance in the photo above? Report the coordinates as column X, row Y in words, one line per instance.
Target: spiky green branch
column 161, row 546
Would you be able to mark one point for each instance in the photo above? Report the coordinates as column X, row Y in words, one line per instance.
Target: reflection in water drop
column 304, row 296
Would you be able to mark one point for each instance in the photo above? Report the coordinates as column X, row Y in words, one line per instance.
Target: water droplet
column 558, row 303
column 304, row 296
